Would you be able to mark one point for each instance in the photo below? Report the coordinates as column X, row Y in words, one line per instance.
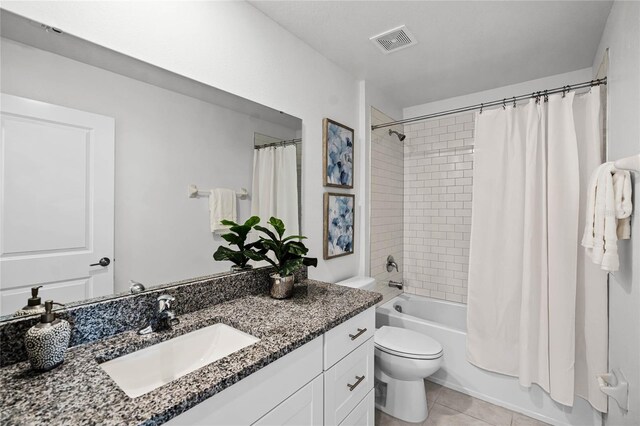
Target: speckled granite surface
column 100, row 318
column 80, row 392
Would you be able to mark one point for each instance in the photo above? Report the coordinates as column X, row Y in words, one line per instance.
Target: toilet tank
column 364, row 283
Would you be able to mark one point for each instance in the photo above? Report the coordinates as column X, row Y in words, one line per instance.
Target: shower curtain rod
column 504, row 102
column 280, row 143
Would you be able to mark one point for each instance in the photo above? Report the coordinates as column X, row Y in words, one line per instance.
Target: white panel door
column 56, row 202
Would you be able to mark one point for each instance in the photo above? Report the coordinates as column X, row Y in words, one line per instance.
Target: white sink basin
column 147, row 369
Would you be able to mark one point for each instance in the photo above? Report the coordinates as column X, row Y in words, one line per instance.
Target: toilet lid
column 407, row 343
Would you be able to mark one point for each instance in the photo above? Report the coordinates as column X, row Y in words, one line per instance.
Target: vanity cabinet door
column 300, row 409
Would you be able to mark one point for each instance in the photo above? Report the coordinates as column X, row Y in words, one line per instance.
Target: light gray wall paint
column 262, row 62
column 164, row 142
column 556, row 80
column 622, row 37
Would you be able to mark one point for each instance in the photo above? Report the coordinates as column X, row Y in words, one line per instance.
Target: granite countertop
column 80, row 392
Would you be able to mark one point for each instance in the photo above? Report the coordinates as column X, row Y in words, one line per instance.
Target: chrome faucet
column 165, row 317
column 135, row 287
column 391, row 264
column 396, row 284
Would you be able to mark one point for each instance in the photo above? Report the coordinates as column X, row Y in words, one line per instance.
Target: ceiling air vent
column 395, row 39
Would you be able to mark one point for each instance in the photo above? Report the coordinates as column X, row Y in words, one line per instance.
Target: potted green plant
column 288, row 256
column 237, row 237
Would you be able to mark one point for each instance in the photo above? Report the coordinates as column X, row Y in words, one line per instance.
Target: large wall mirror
column 98, row 153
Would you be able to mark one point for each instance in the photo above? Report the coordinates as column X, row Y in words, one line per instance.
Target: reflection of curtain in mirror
column 275, row 186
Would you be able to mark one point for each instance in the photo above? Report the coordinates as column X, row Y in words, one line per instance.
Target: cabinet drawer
column 347, row 383
column 363, row 414
column 341, row 340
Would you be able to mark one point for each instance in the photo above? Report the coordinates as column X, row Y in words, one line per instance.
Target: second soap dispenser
column 47, row 341
column 34, row 304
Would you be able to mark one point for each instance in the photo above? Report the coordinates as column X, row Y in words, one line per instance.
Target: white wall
column 553, row 81
column 622, row 37
column 164, row 142
column 234, row 47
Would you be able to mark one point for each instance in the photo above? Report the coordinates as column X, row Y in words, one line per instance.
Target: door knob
column 105, row 261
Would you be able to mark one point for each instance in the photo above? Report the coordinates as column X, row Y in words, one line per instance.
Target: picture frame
column 337, row 154
column 339, row 224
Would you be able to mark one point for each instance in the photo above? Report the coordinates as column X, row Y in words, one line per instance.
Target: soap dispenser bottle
column 47, row 341
column 34, row 304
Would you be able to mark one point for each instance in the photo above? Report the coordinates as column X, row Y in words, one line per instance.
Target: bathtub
column 446, row 322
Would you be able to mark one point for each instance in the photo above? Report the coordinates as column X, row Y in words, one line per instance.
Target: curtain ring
column 514, row 101
column 481, row 108
column 504, row 103
column 537, row 97
column 546, row 96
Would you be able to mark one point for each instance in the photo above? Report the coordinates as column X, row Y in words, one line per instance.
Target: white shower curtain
column 275, row 186
column 532, row 299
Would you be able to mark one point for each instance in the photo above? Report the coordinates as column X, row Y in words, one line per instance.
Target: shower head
column 398, row 134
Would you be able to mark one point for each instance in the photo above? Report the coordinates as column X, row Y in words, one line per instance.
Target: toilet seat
column 406, row 343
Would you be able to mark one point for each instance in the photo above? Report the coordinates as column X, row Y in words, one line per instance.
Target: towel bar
column 193, row 192
column 615, row 385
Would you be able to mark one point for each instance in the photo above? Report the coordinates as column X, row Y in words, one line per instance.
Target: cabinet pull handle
column 358, row 334
column 353, row 386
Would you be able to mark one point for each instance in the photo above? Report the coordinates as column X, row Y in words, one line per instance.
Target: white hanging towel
column 608, row 210
column 622, row 199
column 222, row 205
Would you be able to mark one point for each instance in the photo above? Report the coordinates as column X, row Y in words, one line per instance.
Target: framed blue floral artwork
column 339, row 224
column 337, row 154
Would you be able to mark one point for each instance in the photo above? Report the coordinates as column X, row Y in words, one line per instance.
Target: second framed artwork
column 337, row 147
column 339, row 224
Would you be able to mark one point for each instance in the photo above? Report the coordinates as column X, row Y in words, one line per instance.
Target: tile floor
column 450, row 408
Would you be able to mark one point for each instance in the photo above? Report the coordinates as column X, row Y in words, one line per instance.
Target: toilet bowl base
column 405, row 400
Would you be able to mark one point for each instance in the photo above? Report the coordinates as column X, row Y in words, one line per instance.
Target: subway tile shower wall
column 437, row 206
column 387, row 183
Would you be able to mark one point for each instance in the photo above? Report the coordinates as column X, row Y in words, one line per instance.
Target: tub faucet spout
column 396, row 284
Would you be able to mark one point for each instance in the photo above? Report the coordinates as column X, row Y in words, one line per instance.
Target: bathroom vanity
column 312, row 364
column 329, row 378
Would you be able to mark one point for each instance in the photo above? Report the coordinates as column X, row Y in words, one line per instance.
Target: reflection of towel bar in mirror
column 195, row 193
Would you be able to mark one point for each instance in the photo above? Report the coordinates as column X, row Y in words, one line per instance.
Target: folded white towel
column 610, row 237
column 589, row 224
column 624, row 207
column 222, row 205
column 607, row 215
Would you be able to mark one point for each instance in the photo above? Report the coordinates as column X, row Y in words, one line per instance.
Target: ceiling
column 463, row 46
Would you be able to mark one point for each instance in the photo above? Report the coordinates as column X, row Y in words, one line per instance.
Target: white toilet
column 404, row 358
